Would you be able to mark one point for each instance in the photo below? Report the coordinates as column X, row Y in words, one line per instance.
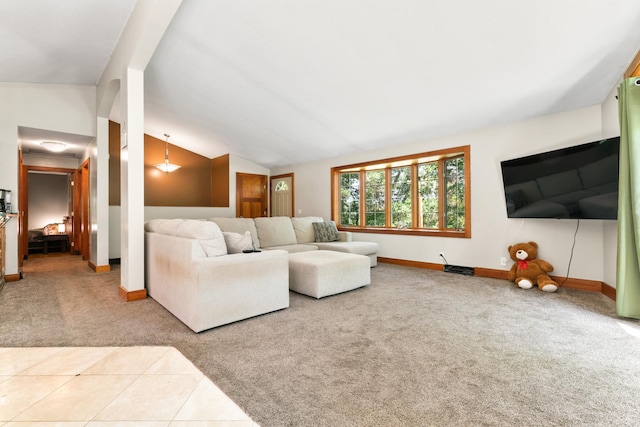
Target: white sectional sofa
column 295, row 235
column 198, row 271
column 189, row 272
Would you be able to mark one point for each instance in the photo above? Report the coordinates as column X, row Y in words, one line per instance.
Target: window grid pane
column 375, row 198
column 282, row 186
column 454, row 198
column 428, row 195
column 350, row 198
column 401, row 197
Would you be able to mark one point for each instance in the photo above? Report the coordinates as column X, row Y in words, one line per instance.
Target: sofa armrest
column 205, row 292
column 345, row 236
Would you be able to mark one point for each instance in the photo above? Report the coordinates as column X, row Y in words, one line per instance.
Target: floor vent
column 458, row 269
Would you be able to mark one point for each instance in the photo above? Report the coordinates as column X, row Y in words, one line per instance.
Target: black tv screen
column 575, row 182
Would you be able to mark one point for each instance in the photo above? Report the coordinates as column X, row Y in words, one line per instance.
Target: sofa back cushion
column 600, row 172
column 238, row 225
column 528, row 190
column 559, row 183
column 275, row 231
column 206, row 232
column 303, row 227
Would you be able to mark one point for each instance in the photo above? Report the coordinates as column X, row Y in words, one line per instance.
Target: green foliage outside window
column 454, row 182
column 350, row 198
column 375, row 198
column 428, row 195
column 401, row 197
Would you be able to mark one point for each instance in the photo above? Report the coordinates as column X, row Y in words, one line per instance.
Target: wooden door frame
column 293, row 194
column 23, row 205
column 82, row 213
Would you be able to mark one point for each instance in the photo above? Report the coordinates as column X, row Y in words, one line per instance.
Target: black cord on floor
column 571, row 256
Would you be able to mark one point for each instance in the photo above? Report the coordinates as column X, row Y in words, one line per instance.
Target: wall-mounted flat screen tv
column 575, row 182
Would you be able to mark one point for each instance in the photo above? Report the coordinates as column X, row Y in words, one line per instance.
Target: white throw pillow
column 238, row 225
column 237, row 242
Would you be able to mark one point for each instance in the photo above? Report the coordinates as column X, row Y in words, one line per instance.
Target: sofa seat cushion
column 601, row 206
column 572, row 198
column 207, row 233
column 542, row 209
column 275, row 231
column 360, row 248
column 295, row 248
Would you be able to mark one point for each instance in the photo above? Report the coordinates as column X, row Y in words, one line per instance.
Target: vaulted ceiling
column 290, row 81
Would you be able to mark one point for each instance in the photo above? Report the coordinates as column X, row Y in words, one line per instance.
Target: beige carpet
column 416, row 348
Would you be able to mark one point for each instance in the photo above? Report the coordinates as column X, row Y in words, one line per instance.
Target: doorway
column 57, row 219
column 282, row 195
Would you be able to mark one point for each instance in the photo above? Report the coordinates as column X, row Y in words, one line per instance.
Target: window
column 424, row 194
column 282, row 186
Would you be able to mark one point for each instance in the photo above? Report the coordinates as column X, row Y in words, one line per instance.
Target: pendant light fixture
column 166, row 167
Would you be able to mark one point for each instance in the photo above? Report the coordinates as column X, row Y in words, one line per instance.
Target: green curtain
column 628, row 264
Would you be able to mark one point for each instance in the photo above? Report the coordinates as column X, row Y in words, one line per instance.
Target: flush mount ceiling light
column 54, row 146
column 166, row 167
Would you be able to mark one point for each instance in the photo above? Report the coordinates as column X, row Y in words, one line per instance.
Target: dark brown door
column 251, row 195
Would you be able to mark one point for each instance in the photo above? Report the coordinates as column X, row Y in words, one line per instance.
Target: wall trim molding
column 12, row 277
column 99, row 268
column 132, row 295
column 580, row 284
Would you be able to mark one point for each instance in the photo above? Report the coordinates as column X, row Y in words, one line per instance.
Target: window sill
column 407, row 231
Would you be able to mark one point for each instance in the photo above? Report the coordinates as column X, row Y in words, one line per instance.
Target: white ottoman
column 322, row 273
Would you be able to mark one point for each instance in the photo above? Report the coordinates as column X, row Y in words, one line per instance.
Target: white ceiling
column 289, row 81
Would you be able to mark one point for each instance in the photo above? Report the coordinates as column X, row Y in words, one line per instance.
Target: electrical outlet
column 503, row 261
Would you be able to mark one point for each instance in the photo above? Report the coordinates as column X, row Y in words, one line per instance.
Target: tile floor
column 108, row 387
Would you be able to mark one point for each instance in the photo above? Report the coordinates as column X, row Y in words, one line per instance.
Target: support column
column 99, row 261
column 132, row 185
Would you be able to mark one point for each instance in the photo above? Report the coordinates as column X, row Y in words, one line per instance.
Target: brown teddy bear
column 529, row 271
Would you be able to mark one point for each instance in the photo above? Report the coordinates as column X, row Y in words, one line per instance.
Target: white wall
column 60, row 108
column 492, row 231
column 236, row 164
